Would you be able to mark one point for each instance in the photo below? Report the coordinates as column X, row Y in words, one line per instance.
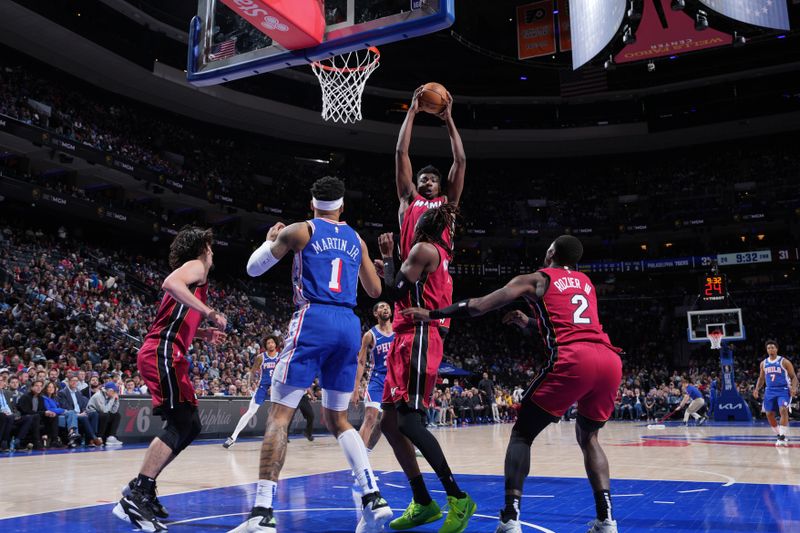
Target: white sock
column 695, row 416
column 783, row 430
column 369, row 451
column 775, row 430
column 265, row 493
column 356, row 453
column 252, row 409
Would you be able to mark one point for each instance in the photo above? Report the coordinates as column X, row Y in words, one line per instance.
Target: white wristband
column 261, row 260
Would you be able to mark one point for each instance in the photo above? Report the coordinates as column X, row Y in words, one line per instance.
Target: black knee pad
column 587, row 425
column 531, row 421
column 411, row 423
column 183, row 426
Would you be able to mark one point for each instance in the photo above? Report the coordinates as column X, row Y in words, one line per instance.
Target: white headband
column 327, row 205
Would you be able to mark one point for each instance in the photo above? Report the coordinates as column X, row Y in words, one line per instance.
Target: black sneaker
column 155, row 504
column 228, row 443
column 136, row 509
column 309, row 435
column 260, row 520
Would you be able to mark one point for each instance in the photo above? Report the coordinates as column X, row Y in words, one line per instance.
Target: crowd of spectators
column 72, row 316
column 719, row 183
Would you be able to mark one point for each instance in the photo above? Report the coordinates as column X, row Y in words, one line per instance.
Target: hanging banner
column 536, row 30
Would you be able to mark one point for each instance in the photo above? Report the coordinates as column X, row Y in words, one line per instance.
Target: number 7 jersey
column 567, row 312
column 326, row 270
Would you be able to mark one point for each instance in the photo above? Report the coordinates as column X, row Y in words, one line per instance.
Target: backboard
column 728, row 321
column 224, row 47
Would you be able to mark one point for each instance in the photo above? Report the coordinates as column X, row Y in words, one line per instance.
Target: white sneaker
column 260, row 521
column 782, row 443
column 375, row 514
column 512, row 526
column 606, row 526
column 113, row 441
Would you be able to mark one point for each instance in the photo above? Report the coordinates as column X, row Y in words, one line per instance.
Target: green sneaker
column 459, row 512
column 417, row 515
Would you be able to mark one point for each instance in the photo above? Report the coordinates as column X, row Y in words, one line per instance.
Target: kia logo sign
column 731, row 406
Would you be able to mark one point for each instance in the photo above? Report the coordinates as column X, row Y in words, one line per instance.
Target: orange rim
column 328, row 68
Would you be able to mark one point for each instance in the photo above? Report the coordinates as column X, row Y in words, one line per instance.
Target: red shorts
column 166, row 374
column 412, row 366
column 585, row 372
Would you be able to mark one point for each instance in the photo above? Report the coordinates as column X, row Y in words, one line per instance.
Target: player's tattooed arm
column 367, row 273
column 404, row 173
column 759, row 382
column 281, row 239
column 455, row 178
column 367, row 342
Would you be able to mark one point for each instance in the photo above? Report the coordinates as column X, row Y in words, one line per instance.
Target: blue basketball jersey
column 776, row 376
column 268, row 367
column 383, row 343
column 326, row 270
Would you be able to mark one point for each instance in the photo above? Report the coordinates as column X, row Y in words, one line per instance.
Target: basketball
column 433, row 98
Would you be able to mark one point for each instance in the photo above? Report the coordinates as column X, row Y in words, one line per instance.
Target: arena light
column 628, row 36
column 701, row 21
column 760, row 236
column 643, row 247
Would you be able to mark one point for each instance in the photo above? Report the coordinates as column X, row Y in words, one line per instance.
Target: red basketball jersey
column 433, row 290
column 568, row 311
column 177, row 324
column 415, row 210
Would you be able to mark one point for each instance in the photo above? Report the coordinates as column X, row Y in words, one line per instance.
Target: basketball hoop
column 342, row 79
column 715, row 338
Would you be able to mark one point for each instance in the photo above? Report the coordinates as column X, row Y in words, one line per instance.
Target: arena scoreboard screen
column 713, row 287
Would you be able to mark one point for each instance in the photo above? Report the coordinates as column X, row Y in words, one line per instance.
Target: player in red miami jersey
column 412, row 366
column 582, row 366
column 163, row 365
column 429, row 191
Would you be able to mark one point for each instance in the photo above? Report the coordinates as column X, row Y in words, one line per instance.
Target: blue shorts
column 323, row 341
column 374, row 393
column 774, row 400
column 262, row 394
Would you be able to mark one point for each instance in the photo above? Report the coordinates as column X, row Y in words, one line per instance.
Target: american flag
column 768, row 13
column 223, row 50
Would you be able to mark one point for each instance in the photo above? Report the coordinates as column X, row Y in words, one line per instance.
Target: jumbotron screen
column 764, row 13
column 593, row 25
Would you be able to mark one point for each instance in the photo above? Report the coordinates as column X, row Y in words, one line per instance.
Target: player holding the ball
column 419, row 277
column 427, row 189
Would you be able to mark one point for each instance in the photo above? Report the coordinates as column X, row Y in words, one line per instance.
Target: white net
column 715, row 338
column 342, row 79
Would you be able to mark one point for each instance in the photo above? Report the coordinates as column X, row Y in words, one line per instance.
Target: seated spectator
column 130, row 388
column 93, row 388
column 72, row 400
column 32, row 406
column 12, row 421
column 56, row 415
column 105, row 403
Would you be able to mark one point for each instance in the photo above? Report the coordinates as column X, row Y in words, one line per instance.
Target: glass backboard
column 224, row 47
column 728, row 321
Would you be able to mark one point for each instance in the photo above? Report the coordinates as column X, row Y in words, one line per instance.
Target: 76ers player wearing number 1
column 329, row 260
column 583, row 367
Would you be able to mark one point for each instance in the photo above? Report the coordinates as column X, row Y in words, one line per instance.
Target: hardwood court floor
column 721, row 470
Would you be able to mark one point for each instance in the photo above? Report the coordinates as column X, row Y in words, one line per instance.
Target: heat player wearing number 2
column 582, row 366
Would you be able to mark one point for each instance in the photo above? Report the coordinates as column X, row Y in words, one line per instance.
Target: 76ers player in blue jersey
column 375, row 345
column 781, row 386
column 323, row 340
column 264, row 367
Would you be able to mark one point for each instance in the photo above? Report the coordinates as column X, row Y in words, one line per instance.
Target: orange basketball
column 433, row 98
